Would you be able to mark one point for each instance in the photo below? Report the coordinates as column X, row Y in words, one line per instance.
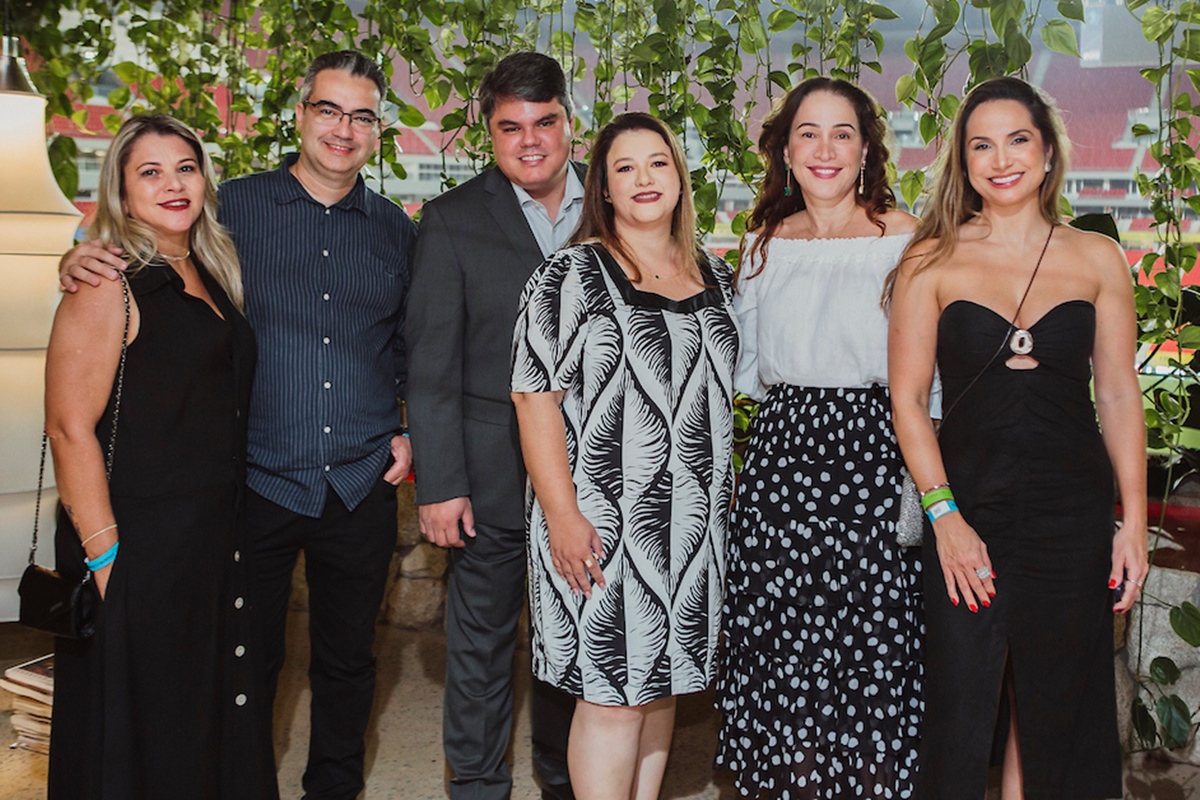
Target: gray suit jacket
column 474, row 254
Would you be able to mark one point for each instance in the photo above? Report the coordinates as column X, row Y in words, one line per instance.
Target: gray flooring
column 404, row 755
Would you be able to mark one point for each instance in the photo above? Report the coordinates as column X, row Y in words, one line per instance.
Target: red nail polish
column 954, row 600
column 974, row 608
column 987, row 604
column 1112, row 583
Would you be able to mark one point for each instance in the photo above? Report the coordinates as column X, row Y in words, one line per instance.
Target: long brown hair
column 773, row 205
column 597, row 221
column 208, row 240
column 953, row 200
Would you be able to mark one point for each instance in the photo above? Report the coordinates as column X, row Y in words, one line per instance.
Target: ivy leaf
column 1064, row 207
column 911, row 186
column 1157, row 24
column 63, row 151
column 781, row 19
column 1017, row 45
column 738, row 225
column 1176, row 721
column 119, row 97
column 1143, row 723
column 1098, row 223
column 879, row 11
column 1189, row 337
column 1059, row 36
column 128, row 72
column 780, row 79
column 1167, row 282
column 906, row 89
column 929, row 127
column 1185, row 621
column 454, row 120
column 1071, row 9
column 1162, row 669
column 988, row 61
column 1141, row 130
column 411, row 116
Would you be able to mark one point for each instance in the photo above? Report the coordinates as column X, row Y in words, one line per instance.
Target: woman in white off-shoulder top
column 821, row 679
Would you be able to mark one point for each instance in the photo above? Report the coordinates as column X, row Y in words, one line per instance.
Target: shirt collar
column 288, row 189
column 573, row 193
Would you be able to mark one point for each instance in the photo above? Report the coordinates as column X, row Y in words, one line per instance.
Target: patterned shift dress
column 647, row 405
column 820, row 683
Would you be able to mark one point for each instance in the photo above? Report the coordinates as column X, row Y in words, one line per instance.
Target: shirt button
column 327, row 429
column 239, row 651
column 325, row 296
column 327, row 212
column 325, row 253
column 325, row 340
column 238, row 603
column 240, row 699
column 327, row 384
column 237, row 555
column 327, row 468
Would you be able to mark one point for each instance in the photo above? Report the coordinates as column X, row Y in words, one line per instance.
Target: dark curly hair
column 773, row 206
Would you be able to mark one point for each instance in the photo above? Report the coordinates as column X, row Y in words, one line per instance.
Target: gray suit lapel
column 506, row 211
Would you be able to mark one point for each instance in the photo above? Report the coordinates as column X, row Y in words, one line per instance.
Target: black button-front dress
column 1030, row 473
column 159, row 702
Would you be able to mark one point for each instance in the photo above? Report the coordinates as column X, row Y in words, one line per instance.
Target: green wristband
column 936, row 496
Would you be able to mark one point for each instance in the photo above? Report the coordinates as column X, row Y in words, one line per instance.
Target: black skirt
column 820, row 684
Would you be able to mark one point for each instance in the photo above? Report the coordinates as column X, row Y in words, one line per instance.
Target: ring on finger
column 1138, row 584
column 983, row 573
column 587, row 562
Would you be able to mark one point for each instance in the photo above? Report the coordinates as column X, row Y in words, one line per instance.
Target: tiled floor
column 404, row 755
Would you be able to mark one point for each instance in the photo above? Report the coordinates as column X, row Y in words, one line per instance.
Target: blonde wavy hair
column 210, row 243
column 953, row 201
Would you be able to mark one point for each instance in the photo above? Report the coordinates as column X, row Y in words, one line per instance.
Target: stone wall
column 416, row 589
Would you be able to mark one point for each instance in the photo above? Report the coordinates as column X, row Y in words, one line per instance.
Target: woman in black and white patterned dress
column 820, row 682
column 623, row 361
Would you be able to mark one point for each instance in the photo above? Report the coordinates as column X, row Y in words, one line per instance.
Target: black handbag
column 50, row 602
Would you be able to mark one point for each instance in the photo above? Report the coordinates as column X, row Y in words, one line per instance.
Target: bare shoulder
column 899, row 222
column 1094, row 252
column 915, row 257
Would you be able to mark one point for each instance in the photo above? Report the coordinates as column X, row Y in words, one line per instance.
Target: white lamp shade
column 37, row 225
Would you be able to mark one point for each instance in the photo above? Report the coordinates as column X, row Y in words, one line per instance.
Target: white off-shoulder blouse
column 812, row 317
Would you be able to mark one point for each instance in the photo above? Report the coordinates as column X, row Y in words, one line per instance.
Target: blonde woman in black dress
column 1019, row 313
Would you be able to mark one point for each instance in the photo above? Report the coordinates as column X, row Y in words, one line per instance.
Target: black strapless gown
column 1030, row 473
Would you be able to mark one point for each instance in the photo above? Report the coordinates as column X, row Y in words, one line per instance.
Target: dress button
column 240, row 650
column 238, row 603
column 240, row 699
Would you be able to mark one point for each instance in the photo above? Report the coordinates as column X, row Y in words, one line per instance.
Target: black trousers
column 346, row 557
column 483, row 605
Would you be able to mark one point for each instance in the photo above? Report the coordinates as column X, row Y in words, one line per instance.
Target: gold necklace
column 175, row 259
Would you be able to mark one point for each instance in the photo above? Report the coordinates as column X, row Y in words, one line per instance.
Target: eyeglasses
column 330, row 114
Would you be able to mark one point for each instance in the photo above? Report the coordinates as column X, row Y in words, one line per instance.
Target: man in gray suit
column 476, row 247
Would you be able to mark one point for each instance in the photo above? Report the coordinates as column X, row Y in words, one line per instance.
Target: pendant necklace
column 1021, row 341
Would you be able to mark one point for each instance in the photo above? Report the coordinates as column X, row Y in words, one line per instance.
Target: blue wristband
column 940, row 509
column 104, row 559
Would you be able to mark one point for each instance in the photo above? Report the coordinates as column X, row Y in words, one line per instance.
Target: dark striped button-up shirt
column 325, row 290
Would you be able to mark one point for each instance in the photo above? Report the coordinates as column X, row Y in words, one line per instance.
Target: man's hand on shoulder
column 440, row 521
column 88, row 263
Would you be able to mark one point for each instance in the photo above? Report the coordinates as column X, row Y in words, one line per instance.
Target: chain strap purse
column 910, row 527
column 50, row 602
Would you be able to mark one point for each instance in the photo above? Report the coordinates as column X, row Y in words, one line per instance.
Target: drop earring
column 787, row 187
column 862, row 177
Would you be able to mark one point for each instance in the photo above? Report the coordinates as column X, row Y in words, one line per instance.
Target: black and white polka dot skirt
column 820, row 682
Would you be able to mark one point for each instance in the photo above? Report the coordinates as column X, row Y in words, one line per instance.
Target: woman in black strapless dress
column 1018, row 313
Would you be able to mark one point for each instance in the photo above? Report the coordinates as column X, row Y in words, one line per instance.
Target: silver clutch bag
column 910, row 527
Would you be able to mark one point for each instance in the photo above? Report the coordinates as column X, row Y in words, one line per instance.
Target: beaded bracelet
column 940, row 509
column 104, row 559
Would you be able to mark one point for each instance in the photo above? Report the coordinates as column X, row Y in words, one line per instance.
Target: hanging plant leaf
column 1185, row 621
column 1163, row 671
column 1059, row 36
column 1176, row 721
column 1143, row 723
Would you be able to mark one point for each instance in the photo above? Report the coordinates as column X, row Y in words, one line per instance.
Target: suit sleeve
column 434, row 332
column 408, row 239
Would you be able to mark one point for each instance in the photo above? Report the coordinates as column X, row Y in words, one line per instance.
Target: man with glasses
column 325, row 263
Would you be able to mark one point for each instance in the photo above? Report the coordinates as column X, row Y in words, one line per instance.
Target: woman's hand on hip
column 576, row 550
column 966, row 565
